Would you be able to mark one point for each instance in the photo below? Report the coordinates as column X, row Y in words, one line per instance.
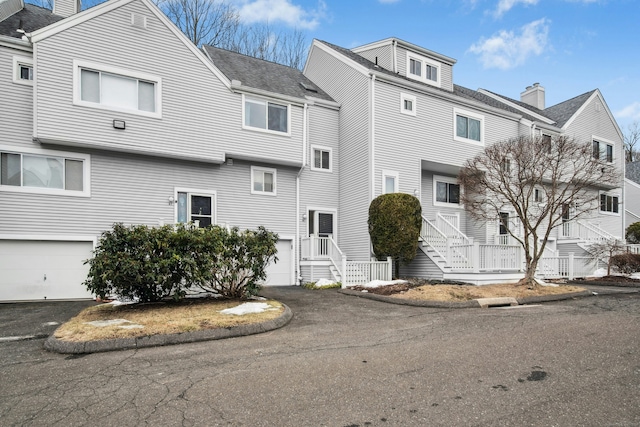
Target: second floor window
column 468, row 128
column 609, row 203
column 602, row 151
column 118, row 91
column 261, row 114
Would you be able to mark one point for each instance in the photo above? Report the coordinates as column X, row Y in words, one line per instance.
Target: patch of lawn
column 470, row 292
column 159, row 318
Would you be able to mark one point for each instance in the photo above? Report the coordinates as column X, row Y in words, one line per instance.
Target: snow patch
column 601, row 272
column 543, row 283
column 248, row 308
column 324, row 282
column 379, row 283
column 121, row 323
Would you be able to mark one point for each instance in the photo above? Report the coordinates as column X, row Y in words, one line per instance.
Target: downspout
column 305, row 113
column 372, row 134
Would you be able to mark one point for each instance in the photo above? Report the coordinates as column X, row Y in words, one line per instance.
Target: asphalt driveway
column 347, row 361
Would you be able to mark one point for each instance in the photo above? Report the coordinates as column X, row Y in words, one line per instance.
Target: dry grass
column 470, row 292
column 159, row 318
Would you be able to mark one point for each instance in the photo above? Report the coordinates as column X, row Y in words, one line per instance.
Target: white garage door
column 281, row 273
column 38, row 270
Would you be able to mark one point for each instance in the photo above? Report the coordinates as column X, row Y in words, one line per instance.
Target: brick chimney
column 534, row 96
column 66, row 7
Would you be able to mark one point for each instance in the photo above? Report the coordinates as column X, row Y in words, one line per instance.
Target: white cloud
column 631, row 111
column 506, row 5
column 281, row 11
column 507, row 49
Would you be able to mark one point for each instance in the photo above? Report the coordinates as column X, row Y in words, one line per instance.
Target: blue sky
column 569, row 46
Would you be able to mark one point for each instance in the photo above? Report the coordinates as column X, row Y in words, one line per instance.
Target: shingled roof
column 265, row 75
column 632, row 172
column 30, row 18
column 563, row 111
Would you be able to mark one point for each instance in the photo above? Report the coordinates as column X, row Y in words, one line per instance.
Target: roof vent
column 309, row 87
column 139, row 21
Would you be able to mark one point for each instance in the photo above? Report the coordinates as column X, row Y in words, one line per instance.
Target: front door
column 321, row 225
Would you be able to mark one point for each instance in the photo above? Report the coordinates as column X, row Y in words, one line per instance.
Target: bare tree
column 542, row 181
column 606, row 250
column 264, row 42
column 631, row 139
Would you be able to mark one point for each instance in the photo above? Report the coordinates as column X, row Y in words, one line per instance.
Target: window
column 609, row 203
column 468, row 126
column 389, row 182
column 538, row 195
column 263, row 181
column 321, row 159
column 446, row 191
column 23, row 70
column 194, row 206
column 546, row 143
column 505, row 166
column 408, row 104
column 602, row 151
column 116, row 89
column 269, row 116
column 44, row 171
column 423, row 69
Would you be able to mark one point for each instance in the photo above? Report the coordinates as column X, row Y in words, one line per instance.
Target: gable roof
column 564, row 111
column 264, row 75
column 30, row 18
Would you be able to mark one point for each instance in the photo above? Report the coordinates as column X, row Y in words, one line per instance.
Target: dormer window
column 423, row 69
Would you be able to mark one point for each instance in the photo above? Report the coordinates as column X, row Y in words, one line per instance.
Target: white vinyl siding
column 408, row 104
column 102, row 86
column 44, row 171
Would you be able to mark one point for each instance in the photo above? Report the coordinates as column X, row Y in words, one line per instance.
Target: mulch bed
column 403, row 287
column 619, row 281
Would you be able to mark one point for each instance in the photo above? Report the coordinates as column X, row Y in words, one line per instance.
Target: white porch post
column 476, row 257
column 570, row 267
column 343, row 274
column 389, row 268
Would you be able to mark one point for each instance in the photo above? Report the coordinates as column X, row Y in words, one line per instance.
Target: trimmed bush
column 395, row 220
column 154, row 263
column 626, row 263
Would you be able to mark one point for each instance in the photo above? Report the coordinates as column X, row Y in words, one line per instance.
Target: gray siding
column 135, row 190
column 8, row 8
column 384, row 55
column 594, row 121
column 313, row 273
column 320, row 189
column 631, row 203
column 422, row 267
column 15, row 102
column 350, row 89
column 201, row 118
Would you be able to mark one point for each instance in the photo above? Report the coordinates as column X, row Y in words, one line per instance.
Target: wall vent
column 139, row 21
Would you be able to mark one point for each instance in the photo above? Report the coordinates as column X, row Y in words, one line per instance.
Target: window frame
column 18, row 62
column 424, row 62
column 266, row 101
column 320, row 148
column 195, row 192
column 448, row 180
column 406, row 97
column 65, row 155
column 604, row 146
column 262, row 170
column 78, row 66
column 613, row 196
column 469, row 115
column 396, row 181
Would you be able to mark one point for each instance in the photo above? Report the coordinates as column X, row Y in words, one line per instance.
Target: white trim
column 424, row 62
column 268, row 170
column 472, row 115
column 317, row 210
column 516, row 106
column 606, row 142
column 448, row 180
column 258, row 99
column 78, row 65
column 632, row 183
column 86, row 171
column 22, row 60
column 609, row 194
column 196, row 192
column 396, row 180
column 406, row 97
column 51, row 237
column 340, row 57
column 313, row 158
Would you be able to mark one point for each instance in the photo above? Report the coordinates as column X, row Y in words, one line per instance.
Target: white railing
column 324, row 248
column 500, row 257
column 453, row 219
column 461, row 257
column 592, row 233
column 360, row 272
column 451, row 230
column 434, row 238
column 566, row 267
column 633, row 249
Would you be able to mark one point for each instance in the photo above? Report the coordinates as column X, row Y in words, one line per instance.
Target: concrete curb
column 66, row 347
column 466, row 304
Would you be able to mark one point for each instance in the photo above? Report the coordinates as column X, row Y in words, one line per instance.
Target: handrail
column 451, row 230
column 602, row 234
column 433, row 237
